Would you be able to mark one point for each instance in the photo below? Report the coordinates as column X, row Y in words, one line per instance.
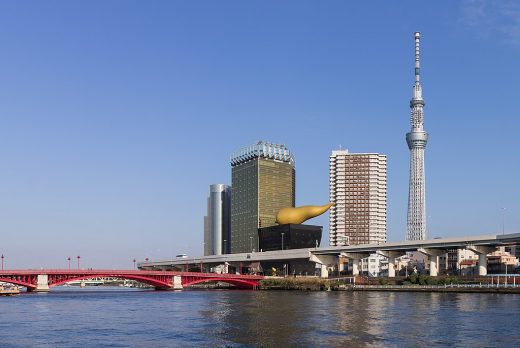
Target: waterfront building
column 374, row 266
column 468, row 268
column 403, row 265
column 513, row 250
column 263, row 181
column 501, row 261
column 217, row 224
column 358, row 189
column 416, row 140
column 455, row 258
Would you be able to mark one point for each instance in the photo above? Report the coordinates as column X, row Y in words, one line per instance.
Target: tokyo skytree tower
column 416, row 139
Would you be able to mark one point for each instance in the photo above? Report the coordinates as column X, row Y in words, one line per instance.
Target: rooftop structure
column 262, row 149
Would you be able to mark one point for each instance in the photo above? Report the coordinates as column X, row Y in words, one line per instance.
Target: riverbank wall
column 319, row 284
column 419, row 288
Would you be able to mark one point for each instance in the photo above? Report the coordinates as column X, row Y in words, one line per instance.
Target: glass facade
column 263, row 182
column 217, row 223
column 289, row 236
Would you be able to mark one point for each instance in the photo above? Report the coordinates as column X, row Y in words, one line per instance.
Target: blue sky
column 116, row 116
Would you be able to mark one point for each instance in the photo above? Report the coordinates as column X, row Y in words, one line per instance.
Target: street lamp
column 282, row 239
column 78, row 260
column 225, row 247
column 134, row 263
column 68, row 259
column 146, row 261
column 2, row 262
column 503, row 219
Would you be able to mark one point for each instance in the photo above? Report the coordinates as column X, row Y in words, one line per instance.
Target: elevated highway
column 326, row 256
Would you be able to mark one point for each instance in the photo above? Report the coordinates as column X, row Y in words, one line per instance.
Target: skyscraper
column 217, row 226
column 263, row 182
column 358, row 189
column 416, row 139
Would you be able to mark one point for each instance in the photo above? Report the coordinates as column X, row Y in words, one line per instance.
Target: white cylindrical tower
column 217, row 223
column 417, row 139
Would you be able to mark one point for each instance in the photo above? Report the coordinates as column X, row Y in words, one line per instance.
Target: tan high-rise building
column 358, row 187
column 263, row 182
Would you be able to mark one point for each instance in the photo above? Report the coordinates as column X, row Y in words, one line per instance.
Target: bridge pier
column 433, row 257
column 356, row 260
column 324, row 261
column 177, row 282
column 391, row 256
column 42, row 283
column 482, row 252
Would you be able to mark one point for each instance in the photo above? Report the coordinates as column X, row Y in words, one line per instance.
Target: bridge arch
column 240, row 283
column 162, row 284
column 18, row 282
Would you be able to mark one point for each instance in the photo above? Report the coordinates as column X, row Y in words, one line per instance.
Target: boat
column 9, row 290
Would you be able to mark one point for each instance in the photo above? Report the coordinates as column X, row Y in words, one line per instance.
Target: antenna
column 417, row 56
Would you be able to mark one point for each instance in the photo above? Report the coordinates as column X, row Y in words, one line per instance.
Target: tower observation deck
column 417, row 139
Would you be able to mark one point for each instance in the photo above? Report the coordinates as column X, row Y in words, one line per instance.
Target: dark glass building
column 289, row 236
column 263, row 182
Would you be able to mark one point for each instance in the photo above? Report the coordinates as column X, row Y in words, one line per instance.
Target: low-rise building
column 455, row 257
column 468, row 267
column 500, row 262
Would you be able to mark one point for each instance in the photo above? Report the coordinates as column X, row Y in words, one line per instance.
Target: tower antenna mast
column 417, row 139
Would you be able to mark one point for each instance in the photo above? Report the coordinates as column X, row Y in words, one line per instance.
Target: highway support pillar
column 391, row 256
column 325, row 261
column 433, row 257
column 482, row 252
column 356, row 258
column 177, row 282
column 42, row 283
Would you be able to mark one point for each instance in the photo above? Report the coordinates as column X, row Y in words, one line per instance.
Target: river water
column 104, row 317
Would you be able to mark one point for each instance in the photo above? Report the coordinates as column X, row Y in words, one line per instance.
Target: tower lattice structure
column 417, row 139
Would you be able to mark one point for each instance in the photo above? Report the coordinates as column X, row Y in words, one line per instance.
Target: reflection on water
column 258, row 319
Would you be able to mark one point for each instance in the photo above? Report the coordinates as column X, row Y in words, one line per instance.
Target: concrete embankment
column 319, row 284
column 464, row 289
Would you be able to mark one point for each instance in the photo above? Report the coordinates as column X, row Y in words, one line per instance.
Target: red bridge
column 42, row 280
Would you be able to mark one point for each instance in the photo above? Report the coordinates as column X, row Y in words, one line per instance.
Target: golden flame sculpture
column 299, row 215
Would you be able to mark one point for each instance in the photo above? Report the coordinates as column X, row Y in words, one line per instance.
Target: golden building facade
column 263, row 182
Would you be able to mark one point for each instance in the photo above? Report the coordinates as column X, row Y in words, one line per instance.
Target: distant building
column 501, row 261
column 374, row 266
column 263, row 181
column 403, row 265
column 454, row 260
column 358, row 189
column 217, row 224
column 468, row 267
column 513, row 250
